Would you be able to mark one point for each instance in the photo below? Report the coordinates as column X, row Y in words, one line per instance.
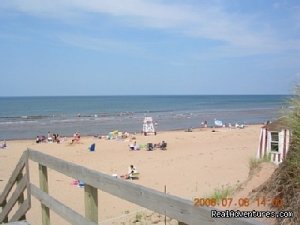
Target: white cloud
column 203, row 21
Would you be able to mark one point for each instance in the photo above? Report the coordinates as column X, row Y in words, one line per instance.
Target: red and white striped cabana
column 274, row 141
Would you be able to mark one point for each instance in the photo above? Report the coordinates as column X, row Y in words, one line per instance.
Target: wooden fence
column 174, row 207
column 20, row 179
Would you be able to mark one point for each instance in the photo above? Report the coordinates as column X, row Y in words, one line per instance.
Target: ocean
column 27, row 117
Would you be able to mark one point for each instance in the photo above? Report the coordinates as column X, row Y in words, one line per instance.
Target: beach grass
column 284, row 184
column 138, row 217
column 222, row 192
column 293, row 161
column 254, row 163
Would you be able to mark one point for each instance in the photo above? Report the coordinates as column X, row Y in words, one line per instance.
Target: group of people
column 51, row 138
column 40, row 139
column 149, row 147
column 55, row 138
column 161, row 145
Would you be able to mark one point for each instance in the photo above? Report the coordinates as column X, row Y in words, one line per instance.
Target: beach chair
column 92, row 148
column 81, row 183
column 150, row 147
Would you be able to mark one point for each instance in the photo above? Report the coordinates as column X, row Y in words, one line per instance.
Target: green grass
column 138, row 217
column 222, row 192
column 293, row 158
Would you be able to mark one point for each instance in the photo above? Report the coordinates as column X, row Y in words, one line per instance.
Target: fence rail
column 174, row 207
column 22, row 182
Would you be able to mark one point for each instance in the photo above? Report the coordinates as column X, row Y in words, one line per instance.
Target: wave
column 32, row 117
column 107, row 116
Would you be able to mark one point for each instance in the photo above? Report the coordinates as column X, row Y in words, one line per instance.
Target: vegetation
column 285, row 181
column 223, row 192
column 254, row 163
column 138, row 217
column 293, row 159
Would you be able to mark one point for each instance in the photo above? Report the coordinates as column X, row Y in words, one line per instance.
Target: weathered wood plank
column 65, row 212
column 5, row 220
column 180, row 223
column 43, row 176
column 14, row 198
column 22, row 210
column 21, row 197
column 175, row 207
column 12, row 180
column 18, row 223
column 91, row 203
column 172, row 206
column 28, row 180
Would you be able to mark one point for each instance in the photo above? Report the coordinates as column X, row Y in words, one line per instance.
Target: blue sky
column 125, row 47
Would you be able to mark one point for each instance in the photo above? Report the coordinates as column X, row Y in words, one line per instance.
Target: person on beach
column 38, row 139
column 163, row 145
column 56, row 138
column 134, row 146
column 131, row 170
column 49, row 137
column 76, row 138
column 3, row 145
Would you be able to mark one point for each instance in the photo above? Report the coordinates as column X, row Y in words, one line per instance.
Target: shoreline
column 99, row 115
column 139, row 132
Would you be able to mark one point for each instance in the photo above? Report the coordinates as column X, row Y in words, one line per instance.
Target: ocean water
column 27, row 117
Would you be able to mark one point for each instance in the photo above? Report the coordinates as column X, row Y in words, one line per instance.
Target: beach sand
column 194, row 164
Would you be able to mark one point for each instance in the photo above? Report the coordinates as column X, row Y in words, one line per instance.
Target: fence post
column 28, row 179
column 21, row 197
column 91, row 203
column 5, row 220
column 44, row 187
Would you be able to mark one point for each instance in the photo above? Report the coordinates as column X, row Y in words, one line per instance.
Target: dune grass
column 285, row 181
column 222, row 192
column 254, row 163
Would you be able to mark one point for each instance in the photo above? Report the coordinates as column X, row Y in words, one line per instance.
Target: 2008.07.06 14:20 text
column 241, row 202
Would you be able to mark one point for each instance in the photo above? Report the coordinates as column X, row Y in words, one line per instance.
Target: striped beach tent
column 274, row 141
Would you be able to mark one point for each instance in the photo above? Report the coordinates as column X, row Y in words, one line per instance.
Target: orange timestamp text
column 241, row 202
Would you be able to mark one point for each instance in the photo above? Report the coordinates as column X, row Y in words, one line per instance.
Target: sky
column 149, row 47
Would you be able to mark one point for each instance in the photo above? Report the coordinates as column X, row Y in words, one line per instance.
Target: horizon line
column 142, row 95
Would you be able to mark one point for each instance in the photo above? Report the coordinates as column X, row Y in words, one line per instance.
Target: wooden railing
column 21, row 181
column 171, row 206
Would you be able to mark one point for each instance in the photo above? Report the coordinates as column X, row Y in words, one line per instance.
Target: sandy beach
column 194, row 164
